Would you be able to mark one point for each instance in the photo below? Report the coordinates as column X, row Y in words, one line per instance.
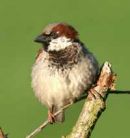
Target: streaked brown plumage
column 64, row 68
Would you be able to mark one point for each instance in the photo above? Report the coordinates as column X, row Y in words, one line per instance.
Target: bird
column 64, row 68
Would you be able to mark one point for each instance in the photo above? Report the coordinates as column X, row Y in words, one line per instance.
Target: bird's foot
column 51, row 117
column 93, row 95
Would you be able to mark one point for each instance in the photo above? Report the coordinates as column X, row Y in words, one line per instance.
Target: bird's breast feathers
column 55, row 81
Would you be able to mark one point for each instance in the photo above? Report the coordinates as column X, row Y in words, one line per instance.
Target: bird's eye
column 54, row 35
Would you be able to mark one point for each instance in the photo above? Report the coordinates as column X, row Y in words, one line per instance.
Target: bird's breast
column 54, row 85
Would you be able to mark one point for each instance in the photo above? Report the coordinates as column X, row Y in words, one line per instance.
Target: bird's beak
column 40, row 39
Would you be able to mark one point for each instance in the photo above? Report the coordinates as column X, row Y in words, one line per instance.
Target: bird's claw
column 51, row 117
column 93, row 94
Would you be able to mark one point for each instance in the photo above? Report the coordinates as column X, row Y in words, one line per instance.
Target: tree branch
column 94, row 104
column 2, row 135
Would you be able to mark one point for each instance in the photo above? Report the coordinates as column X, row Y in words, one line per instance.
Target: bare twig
column 44, row 124
column 2, row 135
column 119, row 92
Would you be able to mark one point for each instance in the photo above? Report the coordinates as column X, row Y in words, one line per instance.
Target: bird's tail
column 60, row 117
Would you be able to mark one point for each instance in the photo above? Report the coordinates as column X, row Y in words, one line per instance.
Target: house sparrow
column 63, row 69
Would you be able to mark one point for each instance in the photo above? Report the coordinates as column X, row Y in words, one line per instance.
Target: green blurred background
column 103, row 25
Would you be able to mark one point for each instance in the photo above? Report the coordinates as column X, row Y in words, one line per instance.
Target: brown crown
column 65, row 30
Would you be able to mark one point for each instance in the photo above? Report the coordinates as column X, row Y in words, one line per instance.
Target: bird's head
column 57, row 36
